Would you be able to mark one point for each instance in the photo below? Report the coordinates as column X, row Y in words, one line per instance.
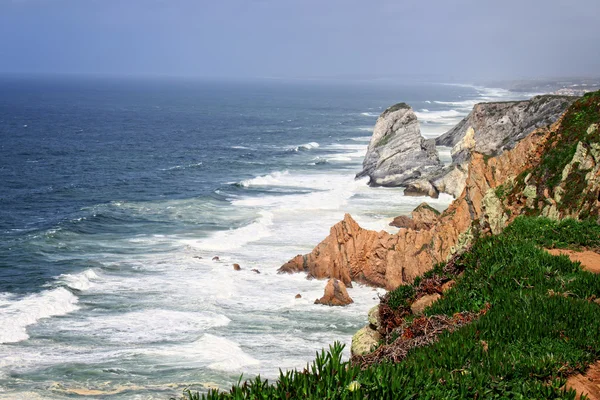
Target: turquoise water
column 115, row 195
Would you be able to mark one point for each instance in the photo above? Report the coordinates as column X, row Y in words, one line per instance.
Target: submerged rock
column 397, row 153
column 335, row 294
column 215, row 258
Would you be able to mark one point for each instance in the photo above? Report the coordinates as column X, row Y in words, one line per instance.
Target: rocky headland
column 499, row 186
column 478, row 305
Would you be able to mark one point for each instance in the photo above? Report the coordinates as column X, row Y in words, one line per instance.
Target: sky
column 446, row 39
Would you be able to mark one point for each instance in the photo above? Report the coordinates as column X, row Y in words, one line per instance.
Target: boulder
column 403, row 221
column 422, row 303
column 237, row 267
column 374, row 320
column 335, row 294
column 298, row 296
column 215, row 258
column 421, row 187
column 397, row 153
column 364, row 341
column 425, row 216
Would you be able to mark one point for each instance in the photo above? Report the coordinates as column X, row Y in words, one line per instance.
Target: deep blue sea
column 116, row 194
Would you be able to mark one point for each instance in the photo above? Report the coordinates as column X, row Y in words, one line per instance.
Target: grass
column 560, row 149
column 541, row 326
column 537, row 319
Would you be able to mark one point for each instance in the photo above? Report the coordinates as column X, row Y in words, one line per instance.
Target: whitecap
column 236, row 238
column 16, row 315
column 265, row 180
column 227, row 354
column 369, row 114
column 306, row 146
column 81, row 281
column 148, row 326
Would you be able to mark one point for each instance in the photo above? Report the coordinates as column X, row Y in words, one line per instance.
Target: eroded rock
column 364, row 341
column 397, row 153
column 335, row 294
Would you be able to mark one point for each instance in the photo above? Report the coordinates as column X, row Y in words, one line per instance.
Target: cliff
column 552, row 171
column 490, row 129
column 397, row 152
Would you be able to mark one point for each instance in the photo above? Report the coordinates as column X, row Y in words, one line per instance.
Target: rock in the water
column 237, row 267
column 374, row 320
column 215, row 258
column 397, row 152
column 198, row 257
column 298, row 296
column 364, row 341
column 422, row 303
column 335, row 294
column 255, row 270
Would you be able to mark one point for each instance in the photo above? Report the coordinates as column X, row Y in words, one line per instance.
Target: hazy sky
column 474, row 39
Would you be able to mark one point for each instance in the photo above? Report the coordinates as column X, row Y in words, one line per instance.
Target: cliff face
column 499, row 126
column 492, row 128
column 397, row 152
column 552, row 171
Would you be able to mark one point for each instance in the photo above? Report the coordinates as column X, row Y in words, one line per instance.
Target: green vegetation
column 540, row 325
column 517, row 321
column 560, row 149
column 396, row 107
column 384, row 140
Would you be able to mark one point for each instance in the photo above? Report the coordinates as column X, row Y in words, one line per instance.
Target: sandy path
column 589, row 260
column 588, row 383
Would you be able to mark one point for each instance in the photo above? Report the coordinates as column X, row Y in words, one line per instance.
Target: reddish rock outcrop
column 351, row 253
column 403, row 221
column 335, row 294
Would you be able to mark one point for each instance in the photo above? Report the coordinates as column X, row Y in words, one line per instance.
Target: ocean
column 116, row 195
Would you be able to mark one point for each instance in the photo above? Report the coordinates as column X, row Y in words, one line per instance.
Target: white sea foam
column 305, row 146
column 17, row 315
column 237, row 238
column 271, row 179
column 148, row 326
column 81, row 281
column 215, row 352
column 176, row 167
column 439, row 116
column 369, row 114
